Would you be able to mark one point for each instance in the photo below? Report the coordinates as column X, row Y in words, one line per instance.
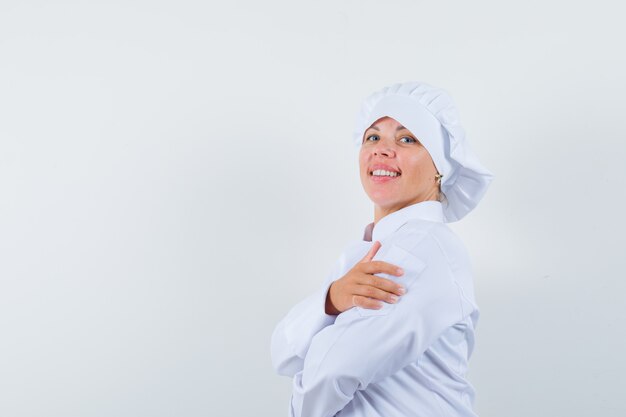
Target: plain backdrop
column 176, row 175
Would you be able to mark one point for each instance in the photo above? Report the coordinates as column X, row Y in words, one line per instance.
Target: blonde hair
column 442, row 197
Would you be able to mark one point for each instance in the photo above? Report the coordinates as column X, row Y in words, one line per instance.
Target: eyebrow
column 398, row 128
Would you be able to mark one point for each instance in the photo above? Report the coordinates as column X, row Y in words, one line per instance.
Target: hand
column 360, row 287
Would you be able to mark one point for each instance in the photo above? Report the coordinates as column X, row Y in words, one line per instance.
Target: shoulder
column 422, row 237
column 435, row 242
column 435, row 262
column 444, row 255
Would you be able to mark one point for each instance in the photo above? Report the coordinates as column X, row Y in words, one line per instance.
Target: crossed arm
column 333, row 357
column 293, row 334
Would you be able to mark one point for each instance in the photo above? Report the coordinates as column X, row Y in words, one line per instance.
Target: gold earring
column 438, row 178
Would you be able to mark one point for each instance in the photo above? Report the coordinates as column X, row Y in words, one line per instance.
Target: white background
column 175, row 175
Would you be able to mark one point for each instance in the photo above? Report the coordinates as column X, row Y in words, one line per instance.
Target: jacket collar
column 429, row 210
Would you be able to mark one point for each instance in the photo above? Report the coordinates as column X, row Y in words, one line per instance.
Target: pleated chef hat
column 430, row 114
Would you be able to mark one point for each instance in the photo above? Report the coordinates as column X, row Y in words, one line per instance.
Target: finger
column 375, row 267
column 376, row 293
column 365, row 302
column 383, row 284
column 370, row 254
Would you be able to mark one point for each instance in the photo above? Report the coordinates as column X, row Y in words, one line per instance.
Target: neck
column 380, row 212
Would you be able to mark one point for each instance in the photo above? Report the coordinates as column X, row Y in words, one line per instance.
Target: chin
column 384, row 200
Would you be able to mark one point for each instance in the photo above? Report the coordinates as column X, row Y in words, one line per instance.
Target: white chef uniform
column 406, row 359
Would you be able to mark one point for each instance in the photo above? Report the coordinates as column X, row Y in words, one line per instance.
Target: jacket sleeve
column 292, row 335
column 364, row 346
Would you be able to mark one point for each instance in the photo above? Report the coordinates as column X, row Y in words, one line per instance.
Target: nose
column 384, row 149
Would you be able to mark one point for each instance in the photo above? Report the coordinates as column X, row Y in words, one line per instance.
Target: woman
column 375, row 341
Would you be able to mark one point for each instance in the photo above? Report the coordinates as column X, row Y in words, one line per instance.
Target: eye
column 411, row 140
column 371, row 136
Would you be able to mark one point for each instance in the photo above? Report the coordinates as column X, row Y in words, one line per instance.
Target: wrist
column 329, row 307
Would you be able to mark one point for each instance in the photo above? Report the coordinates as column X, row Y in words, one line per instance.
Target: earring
column 438, row 178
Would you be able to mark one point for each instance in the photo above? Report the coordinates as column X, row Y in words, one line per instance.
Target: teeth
column 383, row 173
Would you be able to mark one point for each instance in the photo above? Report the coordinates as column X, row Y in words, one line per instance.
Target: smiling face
column 396, row 169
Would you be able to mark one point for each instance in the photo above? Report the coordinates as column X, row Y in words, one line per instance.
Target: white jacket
column 406, row 359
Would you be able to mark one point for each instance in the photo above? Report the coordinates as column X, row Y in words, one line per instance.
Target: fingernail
column 400, row 271
column 393, row 298
column 402, row 290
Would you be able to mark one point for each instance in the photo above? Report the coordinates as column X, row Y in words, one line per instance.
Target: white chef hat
column 429, row 113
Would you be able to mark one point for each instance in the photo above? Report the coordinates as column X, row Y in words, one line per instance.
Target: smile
column 380, row 176
column 383, row 173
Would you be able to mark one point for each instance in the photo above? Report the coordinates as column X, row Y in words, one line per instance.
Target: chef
column 391, row 329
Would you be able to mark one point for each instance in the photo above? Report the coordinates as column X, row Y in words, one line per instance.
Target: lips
column 382, row 179
column 384, row 173
column 383, row 167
